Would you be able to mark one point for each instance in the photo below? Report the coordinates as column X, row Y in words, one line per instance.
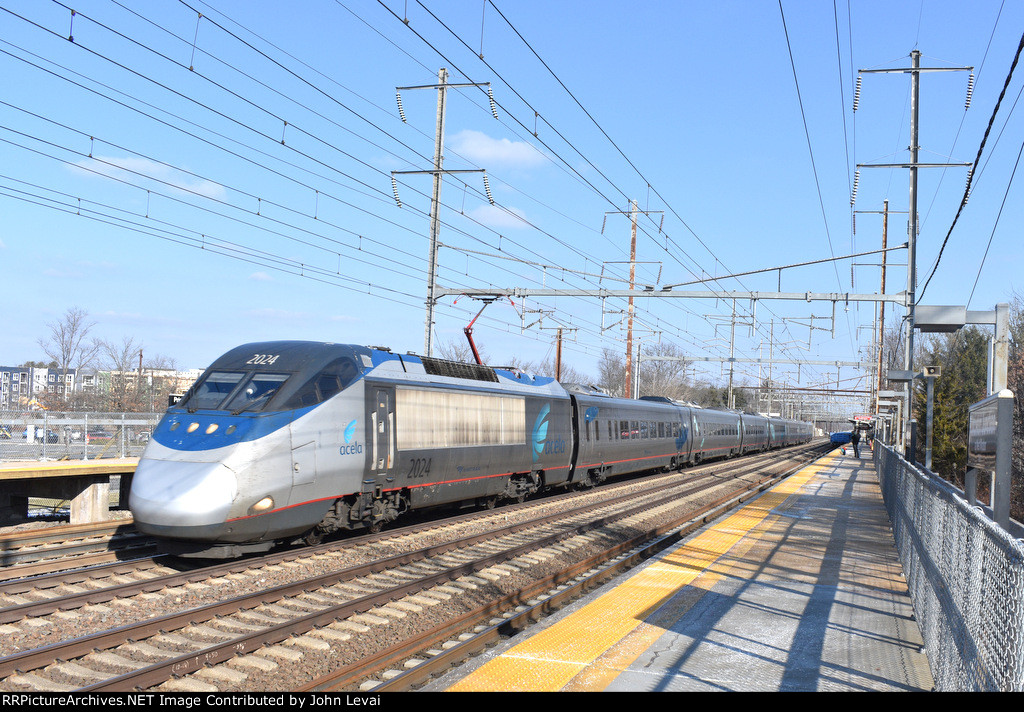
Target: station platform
column 800, row 590
column 85, row 484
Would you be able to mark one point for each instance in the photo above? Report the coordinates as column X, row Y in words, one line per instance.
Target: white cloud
column 502, row 218
column 483, row 150
column 133, row 170
column 261, row 277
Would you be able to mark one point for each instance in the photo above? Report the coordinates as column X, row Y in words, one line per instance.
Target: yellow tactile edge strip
column 549, row 660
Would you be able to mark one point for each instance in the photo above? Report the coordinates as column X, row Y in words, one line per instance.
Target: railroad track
column 32, row 552
column 414, row 663
column 283, row 621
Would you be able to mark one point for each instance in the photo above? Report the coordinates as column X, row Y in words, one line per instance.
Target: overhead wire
column 492, row 69
column 981, row 148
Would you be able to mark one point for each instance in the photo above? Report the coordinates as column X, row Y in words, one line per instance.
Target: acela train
column 289, row 440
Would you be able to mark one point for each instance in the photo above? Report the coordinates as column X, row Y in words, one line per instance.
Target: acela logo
column 350, row 448
column 540, row 431
column 541, row 443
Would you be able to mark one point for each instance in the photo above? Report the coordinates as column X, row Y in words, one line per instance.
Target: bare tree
column 123, row 363
column 663, row 378
column 68, row 346
column 611, row 373
column 455, row 350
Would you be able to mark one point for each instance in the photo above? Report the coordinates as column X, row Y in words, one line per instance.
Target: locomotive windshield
column 247, row 391
column 234, row 391
column 212, row 390
column 256, row 393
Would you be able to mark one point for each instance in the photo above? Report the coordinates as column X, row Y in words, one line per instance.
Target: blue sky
column 197, row 183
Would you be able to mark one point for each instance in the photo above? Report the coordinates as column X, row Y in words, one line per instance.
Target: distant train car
column 755, row 433
column 716, row 433
column 619, row 435
column 291, row 441
column 786, row 432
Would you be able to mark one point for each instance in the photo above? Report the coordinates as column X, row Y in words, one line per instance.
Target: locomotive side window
column 332, row 379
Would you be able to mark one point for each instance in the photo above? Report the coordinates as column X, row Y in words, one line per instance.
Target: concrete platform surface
column 800, row 590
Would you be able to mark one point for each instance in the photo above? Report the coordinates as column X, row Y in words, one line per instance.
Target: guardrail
column 47, row 435
column 965, row 574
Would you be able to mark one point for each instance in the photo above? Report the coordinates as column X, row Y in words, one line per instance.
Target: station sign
column 989, row 441
column 984, row 433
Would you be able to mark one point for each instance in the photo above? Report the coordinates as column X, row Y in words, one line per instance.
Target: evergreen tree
column 963, row 358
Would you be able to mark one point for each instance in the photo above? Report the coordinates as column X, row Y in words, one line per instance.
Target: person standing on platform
column 855, row 440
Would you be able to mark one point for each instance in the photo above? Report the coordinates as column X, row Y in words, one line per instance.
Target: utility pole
column 732, row 354
column 633, row 212
column 442, row 87
column 435, row 202
column 911, row 293
column 908, row 353
column 881, row 305
column 629, row 318
column 558, row 356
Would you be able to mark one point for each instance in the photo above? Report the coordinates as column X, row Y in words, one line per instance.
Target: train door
column 380, row 458
column 382, row 419
column 575, row 448
column 303, row 462
column 698, row 441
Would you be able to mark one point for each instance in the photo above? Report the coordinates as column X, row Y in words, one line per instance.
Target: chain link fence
column 49, row 435
column 965, row 575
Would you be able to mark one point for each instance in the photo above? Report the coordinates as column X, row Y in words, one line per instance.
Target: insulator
column 394, row 187
column 856, row 94
column 603, row 221
column 401, row 111
column 967, row 189
column 970, row 91
column 494, row 107
column 487, row 189
column 856, row 181
column 855, row 223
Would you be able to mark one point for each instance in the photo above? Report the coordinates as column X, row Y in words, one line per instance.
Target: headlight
column 263, row 505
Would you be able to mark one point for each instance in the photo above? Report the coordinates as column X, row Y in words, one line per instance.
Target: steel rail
column 40, row 657
column 641, row 546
